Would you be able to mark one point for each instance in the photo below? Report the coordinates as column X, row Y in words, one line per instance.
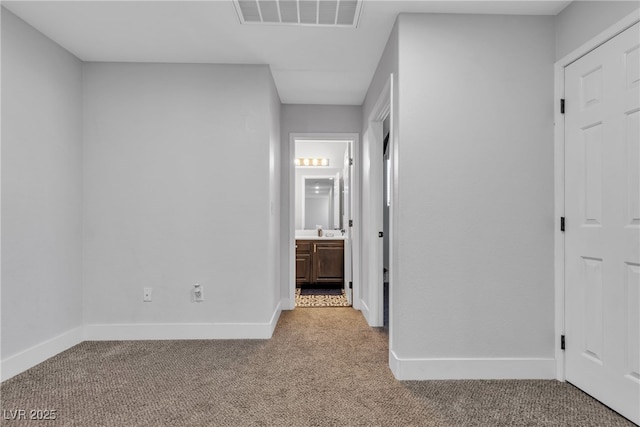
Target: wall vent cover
column 340, row 13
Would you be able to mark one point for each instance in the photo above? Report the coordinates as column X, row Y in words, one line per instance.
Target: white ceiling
column 310, row 65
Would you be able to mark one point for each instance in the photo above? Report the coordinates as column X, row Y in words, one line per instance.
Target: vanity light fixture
column 311, row 162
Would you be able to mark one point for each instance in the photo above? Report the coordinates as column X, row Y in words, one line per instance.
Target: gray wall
column 180, row 187
column 388, row 64
column 41, row 188
column 475, row 179
column 275, row 201
column 583, row 20
column 320, row 119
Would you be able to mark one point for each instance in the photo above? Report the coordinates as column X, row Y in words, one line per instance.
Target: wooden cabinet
column 328, row 261
column 304, row 262
column 303, row 268
column 319, row 262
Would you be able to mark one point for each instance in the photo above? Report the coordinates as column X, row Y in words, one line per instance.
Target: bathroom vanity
column 319, row 261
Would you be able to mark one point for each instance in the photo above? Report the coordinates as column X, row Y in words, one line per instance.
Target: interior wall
column 475, row 161
column 275, row 183
column 305, row 119
column 180, row 186
column 41, row 189
column 583, row 20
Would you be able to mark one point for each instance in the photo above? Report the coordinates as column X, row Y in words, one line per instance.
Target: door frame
column 354, row 139
column 372, row 261
column 559, row 171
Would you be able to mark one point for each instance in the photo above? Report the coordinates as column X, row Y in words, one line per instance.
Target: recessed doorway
column 324, row 205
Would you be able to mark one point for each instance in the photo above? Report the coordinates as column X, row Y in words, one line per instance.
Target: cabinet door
column 328, row 262
column 303, row 268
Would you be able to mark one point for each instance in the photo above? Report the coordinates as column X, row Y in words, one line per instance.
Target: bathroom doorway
column 323, row 234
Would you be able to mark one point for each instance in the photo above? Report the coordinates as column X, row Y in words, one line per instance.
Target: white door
column 346, row 216
column 337, row 201
column 602, row 208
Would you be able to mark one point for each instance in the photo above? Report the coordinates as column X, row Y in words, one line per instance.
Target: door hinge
column 351, row 161
column 562, row 106
column 380, row 234
column 350, row 223
column 562, row 224
column 562, row 342
column 350, row 285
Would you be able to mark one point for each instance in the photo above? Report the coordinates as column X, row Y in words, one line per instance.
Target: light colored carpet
column 321, row 300
column 323, row 367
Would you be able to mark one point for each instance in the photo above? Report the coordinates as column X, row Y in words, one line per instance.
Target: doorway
column 378, row 226
column 324, row 201
column 601, row 222
column 386, row 215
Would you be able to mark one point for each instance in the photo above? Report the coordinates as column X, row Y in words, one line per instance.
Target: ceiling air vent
column 341, row 13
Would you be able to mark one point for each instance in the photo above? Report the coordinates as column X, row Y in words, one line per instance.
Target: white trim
column 364, row 308
column 394, row 223
column 20, row 362
column 559, row 247
column 182, row 331
column 374, row 259
column 354, row 139
column 600, row 39
column 558, row 236
column 26, row 359
column 273, row 322
column 177, row 331
column 471, row 368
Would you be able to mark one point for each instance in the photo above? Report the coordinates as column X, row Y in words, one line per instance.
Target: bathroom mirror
column 322, row 200
column 325, row 207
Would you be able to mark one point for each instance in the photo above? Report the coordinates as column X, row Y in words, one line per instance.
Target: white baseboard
column 288, row 304
column 471, row 368
column 274, row 319
column 364, row 308
column 20, row 362
column 181, row 331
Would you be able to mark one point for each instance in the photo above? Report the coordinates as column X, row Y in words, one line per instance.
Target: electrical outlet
column 147, row 295
column 198, row 292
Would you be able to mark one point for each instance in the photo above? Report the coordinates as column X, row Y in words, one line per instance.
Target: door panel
column 592, row 146
column 633, row 169
column 328, row 262
column 602, row 239
column 633, row 321
column 303, row 269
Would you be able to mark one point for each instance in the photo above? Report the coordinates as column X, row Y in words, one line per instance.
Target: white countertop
column 338, row 236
